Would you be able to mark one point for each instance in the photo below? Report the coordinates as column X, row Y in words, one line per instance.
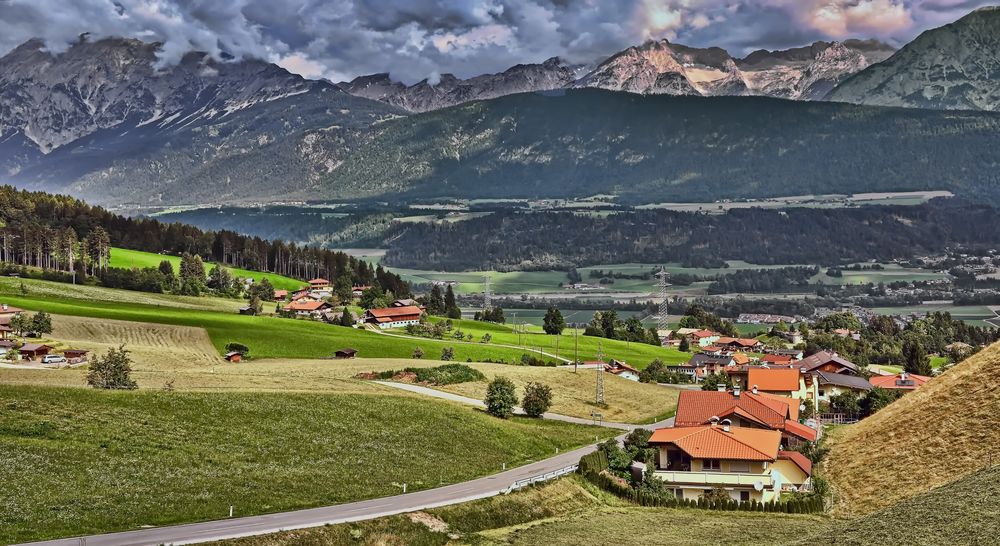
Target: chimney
column 736, row 391
column 904, row 376
column 721, row 388
column 754, row 390
column 726, row 424
column 5, row 307
column 714, row 420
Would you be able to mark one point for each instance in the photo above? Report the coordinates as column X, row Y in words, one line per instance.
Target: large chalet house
column 393, row 317
column 745, row 409
column 702, row 365
column 307, row 308
column 746, row 462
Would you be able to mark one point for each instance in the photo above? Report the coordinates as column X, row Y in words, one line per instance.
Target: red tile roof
column 766, row 379
column 390, row 314
column 712, row 442
column 777, row 359
column 319, row 281
column 703, row 333
column 799, row 459
column 796, row 428
column 910, row 382
column 696, row 408
column 741, row 341
column 306, row 305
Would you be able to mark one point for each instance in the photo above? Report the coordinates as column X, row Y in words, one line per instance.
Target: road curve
column 479, row 488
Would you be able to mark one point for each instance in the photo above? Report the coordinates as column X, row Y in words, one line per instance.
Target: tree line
column 60, row 233
column 508, row 241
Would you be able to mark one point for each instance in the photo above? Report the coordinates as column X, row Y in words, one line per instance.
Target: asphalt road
column 343, row 513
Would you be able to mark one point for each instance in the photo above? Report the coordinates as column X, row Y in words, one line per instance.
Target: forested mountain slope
column 667, row 148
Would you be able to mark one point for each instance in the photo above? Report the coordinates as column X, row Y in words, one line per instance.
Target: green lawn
column 125, row 258
column 581, row 316
column 636, row 354
column 267, row 337
column 82, row 461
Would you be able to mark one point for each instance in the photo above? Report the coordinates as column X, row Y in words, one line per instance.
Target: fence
column 541, row 478
column 837, row 418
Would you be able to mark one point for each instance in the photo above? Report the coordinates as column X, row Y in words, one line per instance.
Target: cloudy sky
column 416, row 39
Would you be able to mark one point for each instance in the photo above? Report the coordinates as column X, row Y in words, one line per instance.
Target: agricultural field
column 121, row 257
column 69, row 453
column 638, row 355
column 267, row 337
column 937, row 434
column 44, row 290
column 890, row 273
column 471, row 282
column 568, row 511
column 579, row 316
column 974, row 315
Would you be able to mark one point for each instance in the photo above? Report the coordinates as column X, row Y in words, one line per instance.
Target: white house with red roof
column 393, row 317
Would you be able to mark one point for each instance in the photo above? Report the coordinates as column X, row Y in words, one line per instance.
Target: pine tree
column 553, row 323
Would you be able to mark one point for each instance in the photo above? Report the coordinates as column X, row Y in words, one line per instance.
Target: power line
column 662, row 323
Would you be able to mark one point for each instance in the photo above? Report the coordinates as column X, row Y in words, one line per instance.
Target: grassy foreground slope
column 83, row 461
column 568, row 511
column 930, row 437
column 962, row 512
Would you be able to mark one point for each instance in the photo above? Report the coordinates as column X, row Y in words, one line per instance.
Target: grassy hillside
column 267, row 337
column 930, row 437
column 121, row 257
column 568, row 511
column 565, row 345
column 962, row 512
column 82, row 461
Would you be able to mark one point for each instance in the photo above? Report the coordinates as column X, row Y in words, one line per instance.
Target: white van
column 53, row 359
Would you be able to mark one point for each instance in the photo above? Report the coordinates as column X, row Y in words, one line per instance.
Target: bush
column 448, row 353
column 113, row 371
column 418, row 353
column 234, row 347
column 537, row 399
column 501, row 398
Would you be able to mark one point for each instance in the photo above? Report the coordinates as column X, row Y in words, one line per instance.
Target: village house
column 359, row 289
column 319, row 284
column 744, row 409
column 831, row 384
column 776, row 360
column 623, row 370
column 747, row 462
column 9, row 311
column 393, row 317
column 790, row 382
column 702, row 365
column 827, row 361
column 901, row 381
column 280, row 295
column 407, row 302
column 739, row 344
column 703, row 338
column 307, row 308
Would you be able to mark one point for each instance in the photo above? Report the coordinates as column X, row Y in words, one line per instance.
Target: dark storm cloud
column 416, row 39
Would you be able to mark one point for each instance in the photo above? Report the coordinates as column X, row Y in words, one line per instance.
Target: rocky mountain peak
column 954, row 67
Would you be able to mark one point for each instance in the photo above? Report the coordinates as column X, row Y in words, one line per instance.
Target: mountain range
column 655, row 67
column 104, row 121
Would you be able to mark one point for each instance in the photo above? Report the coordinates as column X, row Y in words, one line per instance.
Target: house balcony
column 712, row 479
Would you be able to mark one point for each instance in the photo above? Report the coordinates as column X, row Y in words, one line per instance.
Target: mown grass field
column 962, row 512
column 568, row 511
column 82, row 461
column 937, row 434
column 121, row 257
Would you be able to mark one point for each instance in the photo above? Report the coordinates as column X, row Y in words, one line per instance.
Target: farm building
column 346, row 353
column 32, row 351
column 393, row 317
column 233, row 356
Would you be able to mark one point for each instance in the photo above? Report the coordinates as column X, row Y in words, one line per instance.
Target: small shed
column 31, row 351
column 346, row 353
column 247, row 310
column 6, row 344
column 234, row 357
column 76, row 355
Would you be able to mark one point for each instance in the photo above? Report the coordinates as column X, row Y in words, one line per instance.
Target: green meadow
column 80, row 461
column 121, row 257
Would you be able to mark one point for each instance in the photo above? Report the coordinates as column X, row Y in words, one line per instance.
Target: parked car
column 53, row 359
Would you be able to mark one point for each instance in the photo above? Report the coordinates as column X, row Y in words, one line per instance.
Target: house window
column 822, row 393
column 744, row 496
column 739, row 466
column 710, row 465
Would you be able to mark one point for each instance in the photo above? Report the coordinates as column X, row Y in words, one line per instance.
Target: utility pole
column 662, row 284
column 487, row 294
column 599, row 398
column 576, row 348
